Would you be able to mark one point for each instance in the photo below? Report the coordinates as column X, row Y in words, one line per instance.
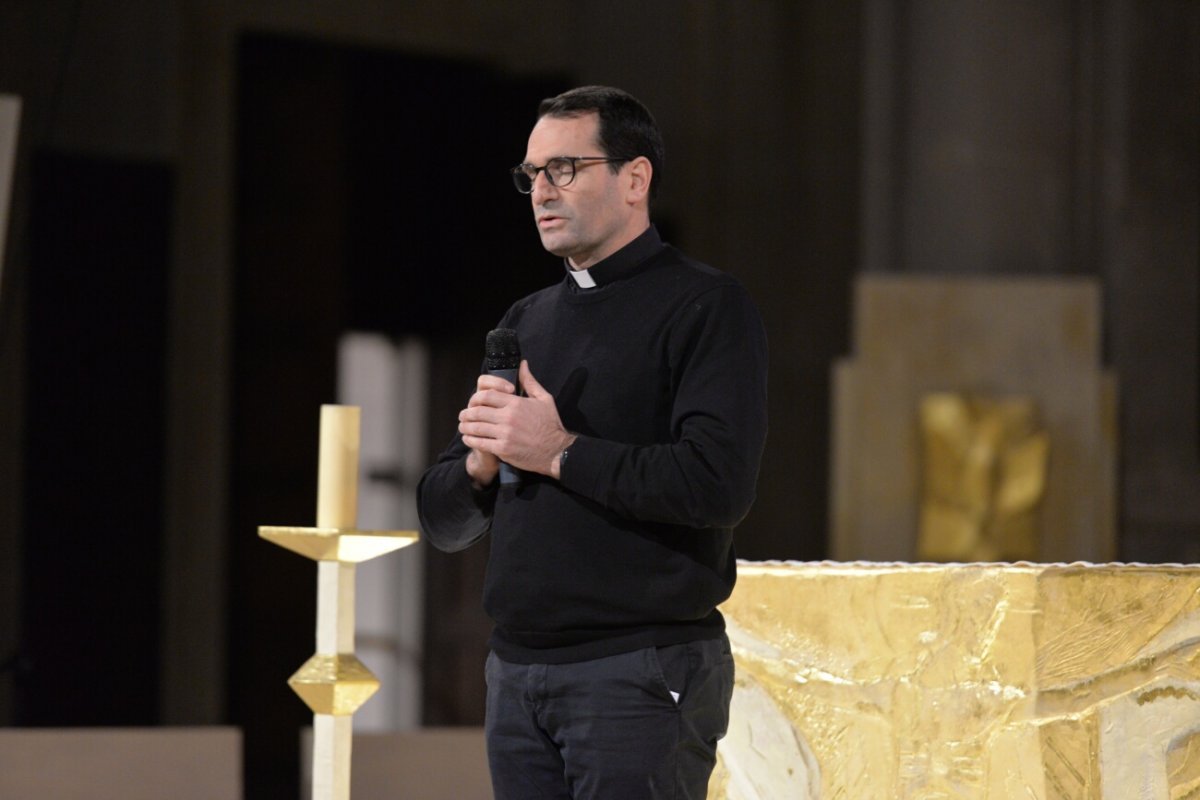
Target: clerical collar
column 620, row 263
column 583, row 277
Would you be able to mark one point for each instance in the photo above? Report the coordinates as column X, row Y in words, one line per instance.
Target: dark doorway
column 372, row 195
column 94, row 439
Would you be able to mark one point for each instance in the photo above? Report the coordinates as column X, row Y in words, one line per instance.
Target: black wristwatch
column 562, row 458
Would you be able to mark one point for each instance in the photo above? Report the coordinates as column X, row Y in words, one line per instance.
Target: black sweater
column 661, row 370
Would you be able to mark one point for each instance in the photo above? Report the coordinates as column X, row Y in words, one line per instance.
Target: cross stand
column 334, row 683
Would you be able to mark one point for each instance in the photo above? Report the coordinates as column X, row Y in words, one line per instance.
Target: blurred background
column 225, row 214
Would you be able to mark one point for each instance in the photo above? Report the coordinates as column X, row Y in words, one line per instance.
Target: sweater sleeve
column 453, row 513
column 706, row 475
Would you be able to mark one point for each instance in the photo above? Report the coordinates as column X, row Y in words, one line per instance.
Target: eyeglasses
column 560, row 171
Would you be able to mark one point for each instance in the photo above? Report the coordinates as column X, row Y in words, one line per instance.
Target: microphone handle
column 509, row 475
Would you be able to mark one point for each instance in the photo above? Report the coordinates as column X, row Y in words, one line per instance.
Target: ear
column 640, row 173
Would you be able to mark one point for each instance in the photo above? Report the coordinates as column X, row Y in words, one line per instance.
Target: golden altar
column 866, row 681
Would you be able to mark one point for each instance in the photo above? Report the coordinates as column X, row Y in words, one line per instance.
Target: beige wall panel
column 121, row 763
column 1035, row 337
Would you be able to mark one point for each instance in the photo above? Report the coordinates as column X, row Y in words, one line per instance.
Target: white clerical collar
column 582, row 278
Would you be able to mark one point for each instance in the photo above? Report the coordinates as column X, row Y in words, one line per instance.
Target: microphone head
column 502, row 351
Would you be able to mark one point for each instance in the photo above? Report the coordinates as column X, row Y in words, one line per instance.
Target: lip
column 547, row 220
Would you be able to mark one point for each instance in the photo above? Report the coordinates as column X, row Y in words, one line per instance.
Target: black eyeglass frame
column 520, row 171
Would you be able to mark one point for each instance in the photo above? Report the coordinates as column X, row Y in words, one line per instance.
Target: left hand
column 525, row 432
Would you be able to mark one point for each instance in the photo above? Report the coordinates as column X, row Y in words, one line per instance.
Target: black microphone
column 502, row 357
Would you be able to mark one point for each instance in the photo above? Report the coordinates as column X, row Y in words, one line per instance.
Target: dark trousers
column 609, row 728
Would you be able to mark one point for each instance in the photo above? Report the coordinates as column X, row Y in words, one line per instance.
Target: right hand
column 483, row 466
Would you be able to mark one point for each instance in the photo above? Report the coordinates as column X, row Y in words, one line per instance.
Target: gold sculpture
column 334, row 683
column 858, row 681
column 983, row 475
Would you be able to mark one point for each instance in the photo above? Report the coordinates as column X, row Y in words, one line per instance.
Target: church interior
column 972, row 229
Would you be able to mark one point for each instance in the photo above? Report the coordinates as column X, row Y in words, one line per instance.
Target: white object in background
column 389, row 381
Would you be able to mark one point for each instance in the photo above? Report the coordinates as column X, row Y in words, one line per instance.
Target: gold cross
column 334, row 683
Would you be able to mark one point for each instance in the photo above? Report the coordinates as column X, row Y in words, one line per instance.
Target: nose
column 542, row 188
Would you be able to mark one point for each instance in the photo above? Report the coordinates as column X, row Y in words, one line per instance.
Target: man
column 638, row 444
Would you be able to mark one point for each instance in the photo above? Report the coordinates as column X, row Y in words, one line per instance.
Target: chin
column 555, row 246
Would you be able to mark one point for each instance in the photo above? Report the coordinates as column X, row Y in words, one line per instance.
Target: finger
column 477, row 432
column 494, row 382
column 529, row 383
column 492, row 398
column 479, row 413
column 478, row 443
column 491, row 447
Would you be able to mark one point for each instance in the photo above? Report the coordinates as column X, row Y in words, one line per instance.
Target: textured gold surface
column 334, row 684
column 337, row 544
column 997, row 681
column 983, row 475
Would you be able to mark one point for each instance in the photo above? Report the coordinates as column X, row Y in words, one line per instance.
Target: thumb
column 529, row 383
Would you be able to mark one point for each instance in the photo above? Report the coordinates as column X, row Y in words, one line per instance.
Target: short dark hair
column 627, row 129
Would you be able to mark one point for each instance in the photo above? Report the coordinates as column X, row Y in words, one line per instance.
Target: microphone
column 502, row 357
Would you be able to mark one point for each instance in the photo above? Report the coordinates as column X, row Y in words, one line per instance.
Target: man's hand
column 525, row 432
column 482, row 466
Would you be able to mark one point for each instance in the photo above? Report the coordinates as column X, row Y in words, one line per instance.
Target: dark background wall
column 208, row 193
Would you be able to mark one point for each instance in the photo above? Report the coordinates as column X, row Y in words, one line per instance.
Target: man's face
column 587, row 220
